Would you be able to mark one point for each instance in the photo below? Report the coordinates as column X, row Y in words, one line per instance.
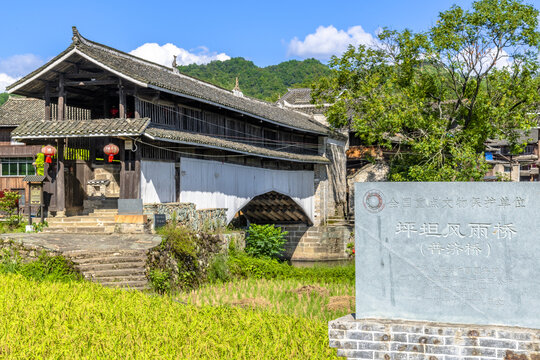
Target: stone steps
column 101, row 221
column 124, row 269
column 105, row 265
column 80, row 229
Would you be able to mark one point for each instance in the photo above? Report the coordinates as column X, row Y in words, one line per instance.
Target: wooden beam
column 83, row 75
column 137, row 175
column 60, row 180
column 91, row 83
column 61, row 99
column 124, row 193
column 121, row 100
column 48, row 114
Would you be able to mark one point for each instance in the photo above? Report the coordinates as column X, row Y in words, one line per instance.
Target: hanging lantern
column 111, row 150
column 49, row 151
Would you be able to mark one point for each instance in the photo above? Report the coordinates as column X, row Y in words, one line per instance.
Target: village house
column 128, row 129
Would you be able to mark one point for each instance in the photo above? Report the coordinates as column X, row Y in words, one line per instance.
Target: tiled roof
column 43, row 129
column 165, row 78
column 47, row 129
column 34, row 178
column 18, row 110
column 297, row 97
column 194, row 139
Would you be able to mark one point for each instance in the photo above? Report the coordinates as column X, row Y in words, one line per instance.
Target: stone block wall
column 312, row 243
column 187, row 214
column 406, row 340
column 26, row 252
column 330, row 182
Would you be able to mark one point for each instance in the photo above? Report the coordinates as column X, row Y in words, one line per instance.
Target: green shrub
column 265, row 241
column 51, row 268
column 218, row 270
column 160, row 281
column 9, row 203
column 192, row 252
column 244, row 266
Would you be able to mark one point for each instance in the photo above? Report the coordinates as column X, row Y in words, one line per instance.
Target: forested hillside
column 267, row 83
column 3, row 98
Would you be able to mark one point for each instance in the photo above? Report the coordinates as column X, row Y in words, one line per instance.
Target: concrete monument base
column 399, row 339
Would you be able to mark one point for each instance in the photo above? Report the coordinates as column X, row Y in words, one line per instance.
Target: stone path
column 87, row 242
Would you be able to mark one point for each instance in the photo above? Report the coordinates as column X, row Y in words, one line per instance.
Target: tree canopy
column 267, row 83
column 435, row 97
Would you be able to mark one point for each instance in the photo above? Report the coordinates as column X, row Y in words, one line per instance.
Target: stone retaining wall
column 314, row 243
column 26, row 252
column 187, row 214
column 397, row 339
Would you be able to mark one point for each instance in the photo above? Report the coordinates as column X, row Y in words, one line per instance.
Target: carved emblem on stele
column 374, row 201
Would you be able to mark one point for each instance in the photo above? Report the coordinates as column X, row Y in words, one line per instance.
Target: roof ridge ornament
column 76, row 36
column 175, row 65
column 236, row 91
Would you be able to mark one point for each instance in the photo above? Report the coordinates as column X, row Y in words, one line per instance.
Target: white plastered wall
column 213, row 184
column 157, row 182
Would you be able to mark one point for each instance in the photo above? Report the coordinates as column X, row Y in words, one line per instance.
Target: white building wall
column 157, row 182
column 213, row 184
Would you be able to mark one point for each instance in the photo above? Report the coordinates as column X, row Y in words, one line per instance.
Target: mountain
column 267, row 83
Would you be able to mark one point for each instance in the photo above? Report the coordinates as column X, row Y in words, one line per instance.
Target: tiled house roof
column 234, row 146
column 297, row 97
column 46, row 129
column 164, row 78
column 18, row 110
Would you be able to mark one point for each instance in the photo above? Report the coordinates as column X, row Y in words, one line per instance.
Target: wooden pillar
column 61, row 99
column 47, row 103
column 123, row 172
column 137, row 175
column 121, row 101
column 60, row 181
column 137, row 103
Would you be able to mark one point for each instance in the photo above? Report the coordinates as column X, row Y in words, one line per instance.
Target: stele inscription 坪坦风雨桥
column 449, row 252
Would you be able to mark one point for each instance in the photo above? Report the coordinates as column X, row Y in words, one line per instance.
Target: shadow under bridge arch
column 274, row 208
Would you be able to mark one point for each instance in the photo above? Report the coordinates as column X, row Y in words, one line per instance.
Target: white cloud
column 5, row 80
column 163, row 54
column 20, row 65
column 328, row 41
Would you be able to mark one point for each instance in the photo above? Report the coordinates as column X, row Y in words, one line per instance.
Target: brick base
column 315, row 243
column 406, row 340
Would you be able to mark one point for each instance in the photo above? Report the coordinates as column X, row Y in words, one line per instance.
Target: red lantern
column 48, row 151
column 111, row 150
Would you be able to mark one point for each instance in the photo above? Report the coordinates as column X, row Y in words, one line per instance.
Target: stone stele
column 454, row 252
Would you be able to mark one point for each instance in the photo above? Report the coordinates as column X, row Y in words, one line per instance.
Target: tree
column 435, row 97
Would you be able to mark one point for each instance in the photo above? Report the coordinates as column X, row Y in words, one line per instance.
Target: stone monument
column 444, row 270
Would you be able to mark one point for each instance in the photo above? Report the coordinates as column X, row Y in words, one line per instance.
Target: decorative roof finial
column 236, row 91
column 76, row 36
column 175, row 65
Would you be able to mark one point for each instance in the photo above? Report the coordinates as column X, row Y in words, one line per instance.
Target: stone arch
column 273, row 207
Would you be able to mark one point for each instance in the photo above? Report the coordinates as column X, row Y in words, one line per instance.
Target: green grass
column 84, row 320
column 244, row 266
column 294, row 297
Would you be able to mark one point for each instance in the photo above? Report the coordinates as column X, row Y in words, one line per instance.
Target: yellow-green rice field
column 80, row 320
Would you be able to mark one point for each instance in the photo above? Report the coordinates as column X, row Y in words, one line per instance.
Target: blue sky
column 266, row 32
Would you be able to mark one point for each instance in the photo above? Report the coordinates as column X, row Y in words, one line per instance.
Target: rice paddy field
column 315, row 301
column 247, row 319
